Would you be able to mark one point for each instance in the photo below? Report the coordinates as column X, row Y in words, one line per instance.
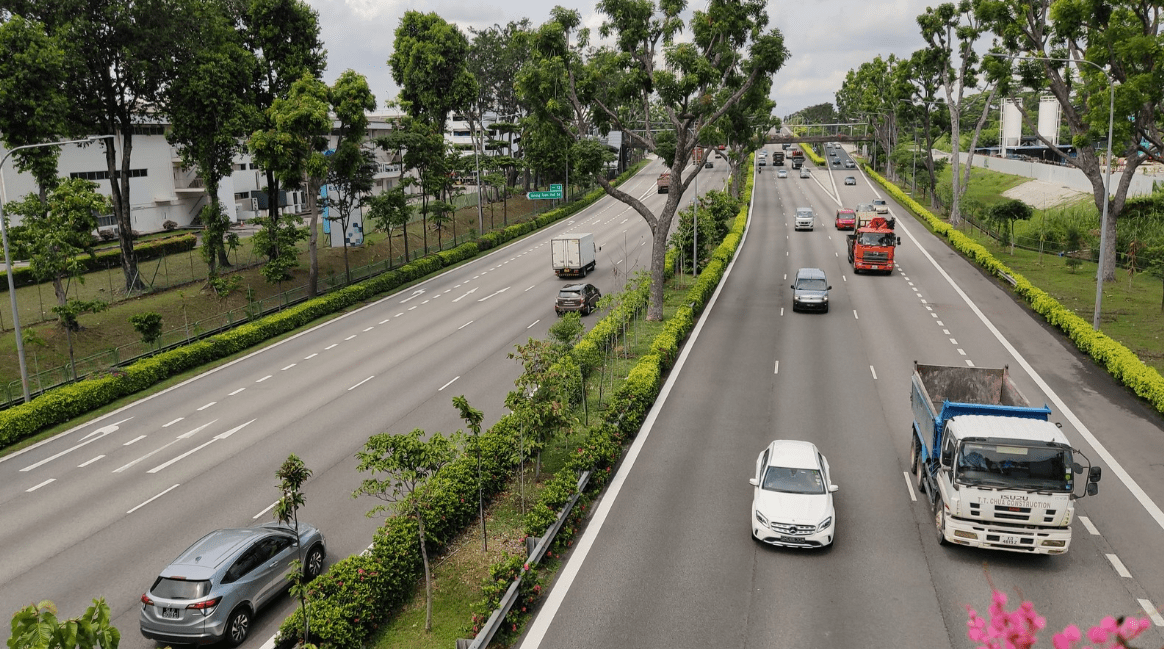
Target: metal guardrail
column 493, row 624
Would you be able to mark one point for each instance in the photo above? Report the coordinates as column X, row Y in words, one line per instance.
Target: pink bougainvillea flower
column 1067, row 638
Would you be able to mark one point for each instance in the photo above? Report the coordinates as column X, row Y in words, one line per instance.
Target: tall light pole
column 1107, row 175
column 8, row 256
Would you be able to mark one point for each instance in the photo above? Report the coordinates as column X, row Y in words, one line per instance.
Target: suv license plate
column 169, row 613
column 1011, row 540
column 791, row 539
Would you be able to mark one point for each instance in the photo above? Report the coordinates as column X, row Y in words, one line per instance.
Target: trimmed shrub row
column 23, row 275
column 64, row 403
column 1119, row 361
column 812, row 154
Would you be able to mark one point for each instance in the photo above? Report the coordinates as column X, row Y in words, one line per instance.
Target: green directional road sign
column 555, row 188
column 555, row 194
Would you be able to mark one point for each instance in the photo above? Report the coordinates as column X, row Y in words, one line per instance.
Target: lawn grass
column 459, row 572
column 189, row 307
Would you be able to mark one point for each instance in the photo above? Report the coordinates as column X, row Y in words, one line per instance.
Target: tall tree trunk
column 119, row 190
column 427, row 576
column 313, row 237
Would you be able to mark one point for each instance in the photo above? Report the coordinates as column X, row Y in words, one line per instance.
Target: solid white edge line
column 152, row 499
column 1089, row 525
column 541, row 623
column 1120, row 569
column 1138, row 492
column 534, row 323
column 448, row 384
column 909, row 486
column 265, row 510
column 1152, row 612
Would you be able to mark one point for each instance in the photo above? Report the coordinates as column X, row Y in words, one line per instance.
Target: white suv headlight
column 760, row 517
column 825, row 524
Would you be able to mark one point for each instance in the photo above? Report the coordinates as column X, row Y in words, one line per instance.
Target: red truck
column 872, row 244
column 797, row 158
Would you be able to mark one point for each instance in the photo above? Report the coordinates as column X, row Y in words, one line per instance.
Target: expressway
column 101, row 509
column 674, row 565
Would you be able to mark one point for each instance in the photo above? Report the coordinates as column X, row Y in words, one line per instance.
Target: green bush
column 1117, row 359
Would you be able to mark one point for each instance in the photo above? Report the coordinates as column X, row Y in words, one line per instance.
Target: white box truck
column 573, row 254
column 999, row 474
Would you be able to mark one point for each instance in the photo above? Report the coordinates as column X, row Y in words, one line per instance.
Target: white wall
column 1059, row 175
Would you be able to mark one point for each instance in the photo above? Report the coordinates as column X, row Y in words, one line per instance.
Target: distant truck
column 664, row 182
column 872, row 243
column 797, row 157
column 778, row 158
column 573, row 254
column 997, row 472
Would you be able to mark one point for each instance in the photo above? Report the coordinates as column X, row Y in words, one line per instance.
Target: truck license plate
column 1011, row 540
column 791, row 539
column 170, row 613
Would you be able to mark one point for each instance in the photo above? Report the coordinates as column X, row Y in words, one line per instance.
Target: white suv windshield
column 793, row 481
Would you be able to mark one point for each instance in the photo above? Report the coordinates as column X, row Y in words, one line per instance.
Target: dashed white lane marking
column 398, row 314
column 288, row 367
column 929, row 308
column 947, row 332
column 330, row 346
column 448, row 384
column 88, row 462
column 961, row 351
column 361, row 383
column 32, row 489
column 381, row 322
column 464, row 325
column 940, row 324
column 836, row 254
column 152, row 499
column 969, row 362
column 529, row 287
column 175, row 421
column 310, row 356
column 786, row 277
column 354, row 335
column 844, row 279
column 534, row 323
column 411, row 308
column 1120, row 569
column 369, row 328
column 1151, row 612
column 1091, row 529
column 909, row 486
column 781, row 310
column 873, row 372
column 135, row 439
column 855, row 316
column 777, row 370
column 933, row 315
column 263, row 379
column 265, row 510
column 953, row 341
column 923, row 300
column 207, row 406
column 235, row 392
column 426, row 302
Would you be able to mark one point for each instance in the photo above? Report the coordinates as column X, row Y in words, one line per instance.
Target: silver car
column 214, row 588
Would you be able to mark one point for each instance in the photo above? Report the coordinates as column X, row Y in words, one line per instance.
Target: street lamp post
column 1107, row 175
column 8, row 257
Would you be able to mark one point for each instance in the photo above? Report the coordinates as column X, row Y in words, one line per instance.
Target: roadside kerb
column 493, row 624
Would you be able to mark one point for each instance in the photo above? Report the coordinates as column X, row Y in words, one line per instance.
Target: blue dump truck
column 997, row 472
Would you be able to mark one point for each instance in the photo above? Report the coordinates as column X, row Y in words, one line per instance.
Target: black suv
column 577, row 297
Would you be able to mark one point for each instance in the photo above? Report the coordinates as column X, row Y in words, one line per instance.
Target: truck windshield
column 876, row 239
column 1025, row 467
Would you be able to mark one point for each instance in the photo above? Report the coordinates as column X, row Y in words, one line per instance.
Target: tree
column 872, row 91
column 36, row 626
column 290, row 150
column 952, row 31
column 292, row 475
column 1004, row 214
column 351, row 168
column 407, row 462
column 922, row 73
column 283, row 36
column 33, row 103
column 1122, row 38
column 55, row 233
column 473, row 418
column 540, row 401
column 208, row 108
column 582, row 91
column 1155, row 267
column 68, row 314
column 389, row 210
column 148, row 326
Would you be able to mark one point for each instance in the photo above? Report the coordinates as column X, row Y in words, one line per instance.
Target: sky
column 826, row 38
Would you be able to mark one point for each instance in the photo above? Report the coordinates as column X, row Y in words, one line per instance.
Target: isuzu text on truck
column 998, row 473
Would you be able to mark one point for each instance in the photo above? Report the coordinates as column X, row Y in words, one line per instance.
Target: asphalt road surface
column 100, row 510
column 668, row 559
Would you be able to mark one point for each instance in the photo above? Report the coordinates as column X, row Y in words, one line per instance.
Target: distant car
column 792, row 499
column 582, row 298
column 836, row 163
column 782, row 173
column 881, row 206
column 721, row 147
column 709, row 165
column 849, row 180
column 762, row 162
column 213, row 590
column 832, row 153
column 804, row 173
column 846, row 219
column 849, row 164
column 804, row 219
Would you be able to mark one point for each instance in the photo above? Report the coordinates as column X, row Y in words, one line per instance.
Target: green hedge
column 23, row 276
column 64, row 403
column 1119, row 361
column 812, row 154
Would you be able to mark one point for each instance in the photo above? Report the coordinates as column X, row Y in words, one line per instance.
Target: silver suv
column 804, row 219
column 214, row 588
